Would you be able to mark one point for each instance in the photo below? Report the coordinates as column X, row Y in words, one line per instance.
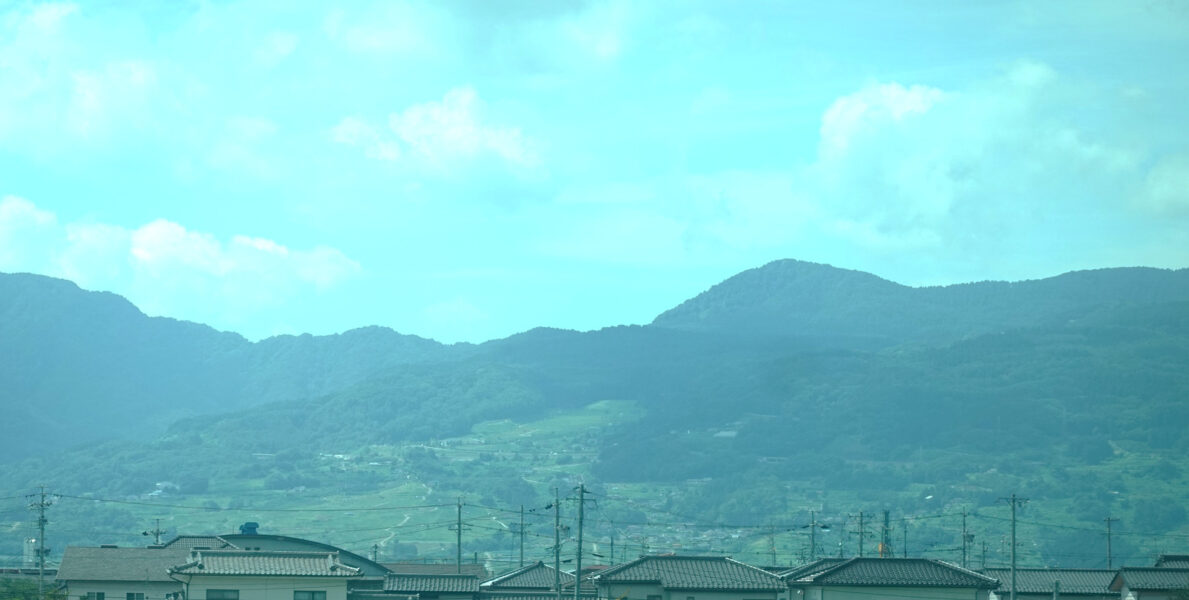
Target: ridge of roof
column 266, row 562
column 898, row 571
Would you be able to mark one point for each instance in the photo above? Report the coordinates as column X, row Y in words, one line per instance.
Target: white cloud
column 275, row 48
column 1165, row 189
column 439, row 134
column 165, row 268
column 873, row 107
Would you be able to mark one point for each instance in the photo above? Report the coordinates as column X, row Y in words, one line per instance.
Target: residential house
column 537, row 581
column 1038, row 584
column 477, row 570
column 1150, row 583
column 113, row 573
column 263, row 575
column 888, row 578
column 433, row 587
column 1173, row 561
column 688, row 578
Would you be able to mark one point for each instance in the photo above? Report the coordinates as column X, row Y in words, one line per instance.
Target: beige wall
column 266, row 588
column 643, row 591
column 887, row 593
column 117, row 590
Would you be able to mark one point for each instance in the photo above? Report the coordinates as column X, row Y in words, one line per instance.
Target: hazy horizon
column 471, row 170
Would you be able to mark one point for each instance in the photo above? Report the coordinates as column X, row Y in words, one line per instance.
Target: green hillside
column 702, row 432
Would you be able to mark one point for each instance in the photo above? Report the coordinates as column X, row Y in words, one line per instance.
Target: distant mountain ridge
column 790, row 297
column 77, row 366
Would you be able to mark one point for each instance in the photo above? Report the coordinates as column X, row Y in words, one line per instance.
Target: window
column 308, row 595
column 93, row 596
column 222, row 595
column 134, row 596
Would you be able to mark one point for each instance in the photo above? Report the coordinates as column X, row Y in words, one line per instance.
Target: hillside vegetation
column 785, row 389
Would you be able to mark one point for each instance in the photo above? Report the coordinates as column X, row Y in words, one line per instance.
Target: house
column 888, row 578
column 433, row 587
column 1149, row 583
column 113, row 573
column 688, row 578
column 1173, row 561
column 263, row 575
column 1038, row 584
column 423, row 568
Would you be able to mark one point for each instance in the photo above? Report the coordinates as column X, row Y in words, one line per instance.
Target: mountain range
column 797, row 372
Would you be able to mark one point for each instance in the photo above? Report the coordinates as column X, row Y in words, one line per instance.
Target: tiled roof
column 118, row 564
column 692, row 572
column 189, row 542
column 1151, row 578
column 814, row 567
column 245, row 562
column 1040, row 581
column 537, row 576
column 908, row 572
column 406, row 583
column 474, row 569
column 1173, row 561
column 490, row 595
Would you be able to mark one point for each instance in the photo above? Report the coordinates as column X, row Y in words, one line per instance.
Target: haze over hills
column 793, row 380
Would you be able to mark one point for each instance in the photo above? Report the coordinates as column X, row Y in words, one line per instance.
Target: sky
column 468, row 170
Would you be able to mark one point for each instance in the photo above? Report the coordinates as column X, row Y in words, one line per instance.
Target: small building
column 688, row 578
column 1038, row 584
column 1149, row 583
column 113, row 573
column 433, row 587
column 1173, row 561
column 535, row 578
column 890, row 578
column 263, row 575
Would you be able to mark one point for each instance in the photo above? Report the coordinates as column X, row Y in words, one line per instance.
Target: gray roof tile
column 407, row 583
column 692, row 572
column 908, row 572
column 1151, row 578
column 260, row 562
column 535, row 576
column 119, row 564
column 1040, row 581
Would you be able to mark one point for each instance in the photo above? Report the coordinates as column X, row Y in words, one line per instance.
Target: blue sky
column 469, row 170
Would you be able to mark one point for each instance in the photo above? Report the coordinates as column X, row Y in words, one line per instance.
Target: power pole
column 772, row 543
column 41, row 501
column 1056, row 589
column 861, row 531
column 522, row 535
column 458, row 541
column 905, row 539
column 1015, row 502
column 613, row 544
column 812, row 536
column 556, row 544
column 578, row 558
column 375, row 552
column 885, row 541
column 984, row 554
column 156, row 533
column 964, row 539
column 1108, row 520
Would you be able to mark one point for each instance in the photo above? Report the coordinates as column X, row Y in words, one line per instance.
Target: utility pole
column 156, row 533
column 905, row 547
column 885, row 541
column 812, row 536
column 41, row 501
column 613, row 544
column 1108, row 520
column 556, row 544
column 964, row 539
column 375, row 552
column 522, row 535
column 984, row 554
column 1056, row 589
column 772, row 543
column 578, row 558
column 1015, row 502
column 458, row 540
column 861, row 531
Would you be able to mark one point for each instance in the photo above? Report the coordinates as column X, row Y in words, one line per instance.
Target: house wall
column 887, row 593
column 266, row 588
column 643, row 591
column 118, row 590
